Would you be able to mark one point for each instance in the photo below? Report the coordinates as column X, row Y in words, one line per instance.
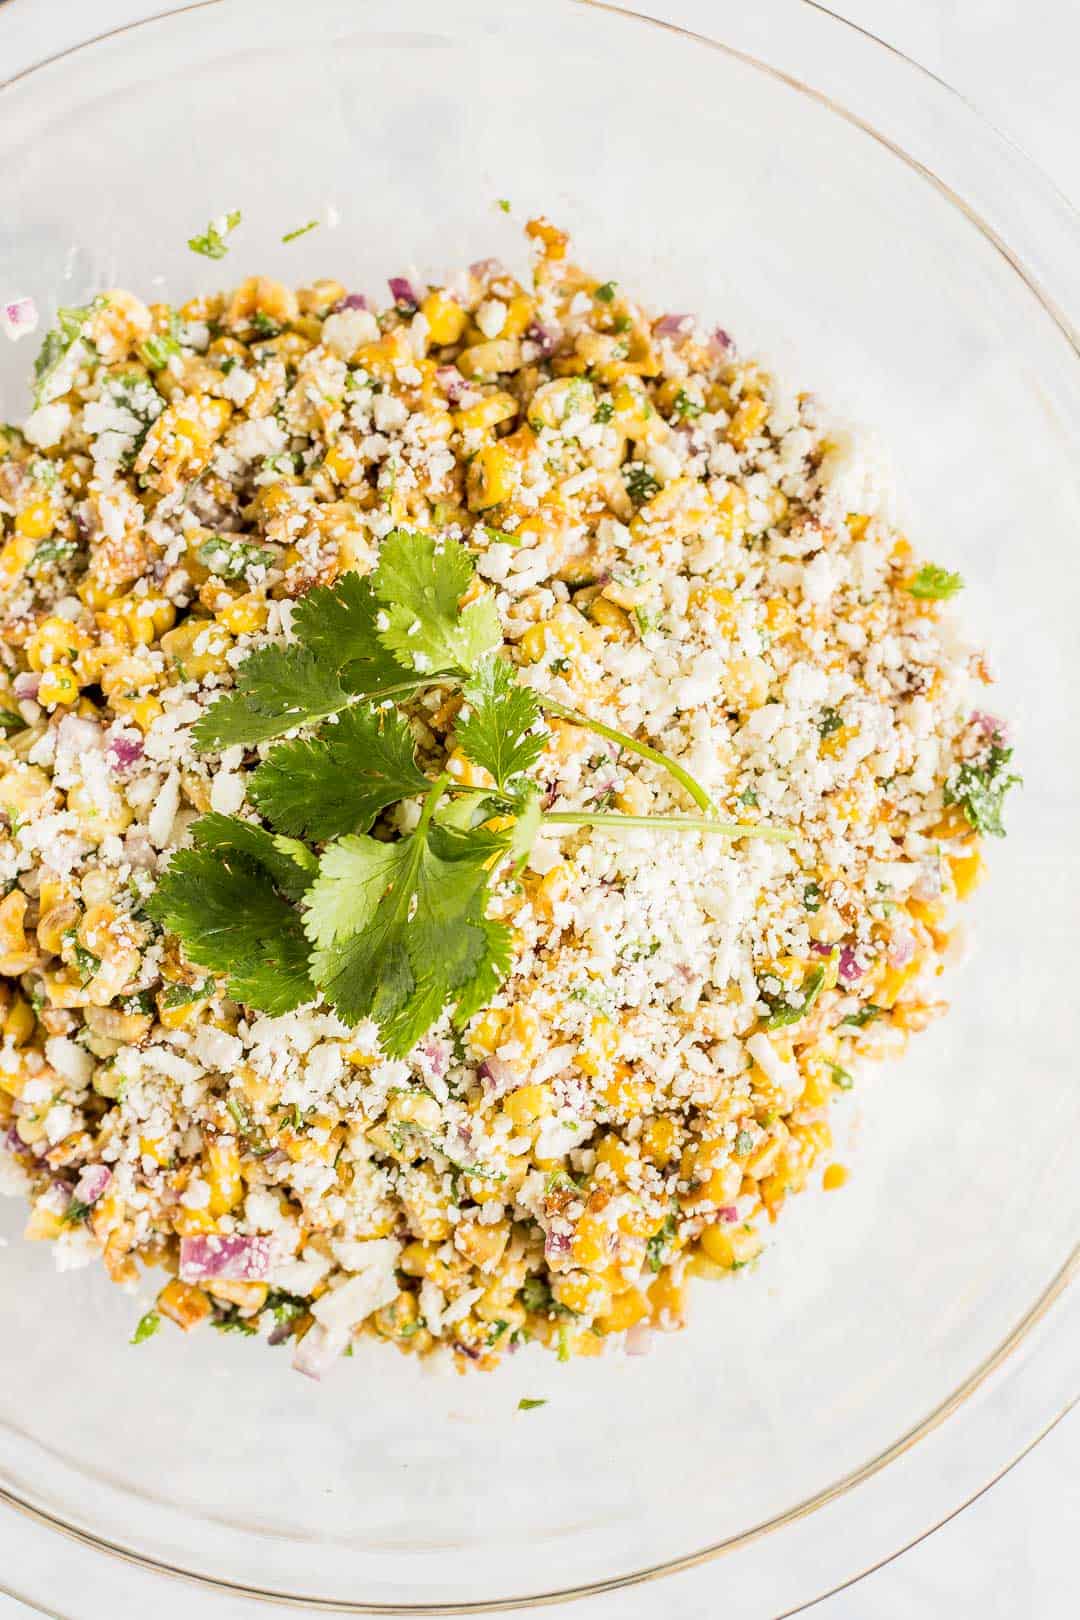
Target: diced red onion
column 639, row 1339
column 819, row 949
column 436, row 1056
column 405, row 293
column 557, row 1245
column 238, row 1259
column 350, row 301
column 673, row 325
column 722, row 342
column 316, row 1352
column 848, row 968
column 994, row 730
column 498, row 1077
column 123, row 752
column 727, row 1212
column 451, row 382
column 13, row 1141
column 92, row 1183
column 26, row 685
column 19, row 318
column 483, row 268
column 901, row 949
column 545, row 337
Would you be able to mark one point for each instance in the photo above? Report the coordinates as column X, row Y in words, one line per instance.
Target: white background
column 1009, row 1556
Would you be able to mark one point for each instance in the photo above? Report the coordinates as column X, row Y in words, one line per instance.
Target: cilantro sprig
column 391, row 928
column 933, row 583
column 979, row 789
column 212, row 243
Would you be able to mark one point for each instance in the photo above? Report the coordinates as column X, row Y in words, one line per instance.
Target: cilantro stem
column 438, row 788
column 727, row 829
column 695, row 790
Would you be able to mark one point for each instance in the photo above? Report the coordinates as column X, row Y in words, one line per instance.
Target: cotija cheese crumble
column 402, row 982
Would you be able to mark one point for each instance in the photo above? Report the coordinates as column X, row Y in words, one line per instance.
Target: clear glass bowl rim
column 1041, row 244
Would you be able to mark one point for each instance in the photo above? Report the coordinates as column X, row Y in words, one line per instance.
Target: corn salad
column 677, row 545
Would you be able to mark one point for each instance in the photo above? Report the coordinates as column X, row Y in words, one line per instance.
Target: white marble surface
column 1009, row 1555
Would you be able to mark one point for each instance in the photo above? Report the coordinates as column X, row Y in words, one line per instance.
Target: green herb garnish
column 230, row 558
column 935, row 584
column 212, row 244
column 641, row 484
column 686, row 409
column 659, row 1243
column 146, row 1327
column 781, row 1012
column 864, row 1016
column 526, row 1405
column 301, row 230
column 58, row 344
column 606, row 292
column 980, row 790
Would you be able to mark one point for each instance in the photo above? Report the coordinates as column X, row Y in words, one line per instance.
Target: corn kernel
column 491, row 478
column 658, row 1139
column 748, row 421
column 731, row 1246
column 36, row 520
column 527, row 1104
column 968, row 871
column 184, row 1304
column 223, row 1178
column 58, row 685
column 835, row 1176
column 625, row 1311
column 445, row 317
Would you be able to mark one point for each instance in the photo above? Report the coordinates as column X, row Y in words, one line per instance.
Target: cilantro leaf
column 289, row 864
column 527, row 1405
column 212, row 244
column 498, row 733
column 229, row 557
column 338, row 781
column 337, row 623
column 660, row 1242
column 145, row 1328
column 980, row 790
column 301, row 230
column 781, row 1012
column 420, row 582
column 276, row 689
column 935, row 584
column 225, row 908
column 399, row 929
column 58, row 344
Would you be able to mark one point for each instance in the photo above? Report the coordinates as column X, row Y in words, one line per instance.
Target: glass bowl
column 848, row 217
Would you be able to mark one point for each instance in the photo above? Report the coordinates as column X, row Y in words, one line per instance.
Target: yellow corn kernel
column 19, row 1022
column 893, row 981
column 617, row 1155
column 223, row 1177
column 58, row 685
column 667, row 1301
column 835, row 1176
column 200, row 646
column 15, row 955
column 527, row 1104
column 747, row 682
column 245, row 615
column 968, row 871
column 606, row 613
column 463, row 770
column 490, row 358
column 553, row 635
column 625, row 1310
column 183, row 1304
column 624, row 1093
column 581, row 1293
column 716, row 600
column 14, row 557
column 36, row 520
column 445, row 317
column 487, row 413
column 591, row 1242
column 762, row 1160
column 748, row 421
column 482, row 1245
column 780, row 617
column 731, row 1246
column 193, row 1222
column 44, row 1224
column 491, row 478
column 659, row 1137
column 731, row 512
column 600, row 1047
column 417, row 1259
column 485, row 1033
column 152, row 1147
column 141, row 711
column 55, row 641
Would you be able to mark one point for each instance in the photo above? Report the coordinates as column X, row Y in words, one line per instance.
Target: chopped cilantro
column 58, row 344
column 264, row 327
column 980, row 790
column 604, row 411
column 52, row 551
column 230, row 558
column 526, row 1405
column 641, row 484
column 812, row 897
column 829, row 722
column 685, row 409
column 504, row 204
column 781, row 1011
column 146, row 1327
column 76, row 1213
column 158, row 349
column 605, row 292
column 10, row 722
column 659, row 1243
column 841, row 1077
column 864, row 1016
column 743, row 1143
column 212, row 244
column 935, row 584
column 301, row 230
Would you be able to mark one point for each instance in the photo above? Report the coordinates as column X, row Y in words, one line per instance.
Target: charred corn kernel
column 527, row 1104
column 968, row 871
column 835, row 1176
column 780, row 617
column 223, row 1177
column 487, row 413
column 667, row 1301
column 659, row 1139
column 491, row 479
column 617, row 1155
column 425, row 1203
column 894, row 981
column 55, row 641
column 731, row 1246
column 58, row 686
column 183, row 1304
column 625, row 1311
column 747, row 422
column 36, row 520
column 445, row 317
